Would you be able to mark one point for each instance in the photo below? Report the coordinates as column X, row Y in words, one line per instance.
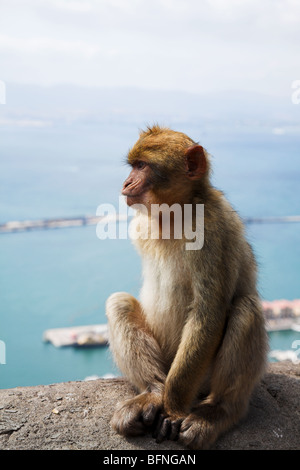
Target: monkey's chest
column 165, row 297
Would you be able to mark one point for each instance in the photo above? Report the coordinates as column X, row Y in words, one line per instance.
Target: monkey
column 194, row 345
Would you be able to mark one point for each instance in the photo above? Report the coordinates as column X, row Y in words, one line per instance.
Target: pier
column 80, row 336
column 80, row 221
column 271, row 220
column 28, row 225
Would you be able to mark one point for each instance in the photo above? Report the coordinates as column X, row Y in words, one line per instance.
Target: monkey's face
column 166, row 165
column 138, row 184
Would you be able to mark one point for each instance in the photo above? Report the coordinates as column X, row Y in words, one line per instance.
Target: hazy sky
column 190, row 45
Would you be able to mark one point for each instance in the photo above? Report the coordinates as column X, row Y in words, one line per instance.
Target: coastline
column 282, row 314
column 282, row 324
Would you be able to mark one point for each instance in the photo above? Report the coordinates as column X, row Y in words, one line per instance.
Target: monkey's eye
column 140, row 165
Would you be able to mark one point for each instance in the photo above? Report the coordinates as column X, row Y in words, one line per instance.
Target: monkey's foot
column 200, row 429
column 134, row 417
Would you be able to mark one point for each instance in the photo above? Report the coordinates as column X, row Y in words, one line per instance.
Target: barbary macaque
column 194, row 346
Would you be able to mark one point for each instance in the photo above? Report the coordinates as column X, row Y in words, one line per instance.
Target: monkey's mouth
column 132, row 198
column 132, row 194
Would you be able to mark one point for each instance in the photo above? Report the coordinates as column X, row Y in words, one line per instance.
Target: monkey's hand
column 167, row 427
column 136, row 416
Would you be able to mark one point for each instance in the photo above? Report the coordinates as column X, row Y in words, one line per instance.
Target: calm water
column 62, row 277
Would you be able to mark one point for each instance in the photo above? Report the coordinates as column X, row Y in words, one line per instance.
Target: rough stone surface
column 76, row 415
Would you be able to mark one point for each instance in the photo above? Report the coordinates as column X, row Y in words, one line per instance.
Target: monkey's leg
column 238, row 366
column 138, row 356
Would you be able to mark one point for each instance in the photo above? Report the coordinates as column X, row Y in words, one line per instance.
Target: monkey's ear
column 196, row 164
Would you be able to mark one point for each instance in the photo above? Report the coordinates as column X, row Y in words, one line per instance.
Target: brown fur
column 194, row 346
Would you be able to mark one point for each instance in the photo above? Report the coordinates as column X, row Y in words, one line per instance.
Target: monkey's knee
column 119, row 305
column 134, row 348
column 121, row 310
column 120, row 299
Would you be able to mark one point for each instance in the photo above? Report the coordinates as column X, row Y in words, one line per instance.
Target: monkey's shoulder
column 220, row 218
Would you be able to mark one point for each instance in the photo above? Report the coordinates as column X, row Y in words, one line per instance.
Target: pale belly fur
column 158, row 297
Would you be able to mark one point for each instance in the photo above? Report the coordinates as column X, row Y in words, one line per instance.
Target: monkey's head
column 167, row 167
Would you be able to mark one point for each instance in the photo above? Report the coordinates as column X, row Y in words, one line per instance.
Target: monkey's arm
column 213, row 287
column 200, row 338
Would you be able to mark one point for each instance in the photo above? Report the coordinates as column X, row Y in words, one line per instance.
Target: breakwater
column 46, row 224
column 80, row 221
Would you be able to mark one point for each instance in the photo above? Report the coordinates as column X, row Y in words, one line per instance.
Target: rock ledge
column 76, row 415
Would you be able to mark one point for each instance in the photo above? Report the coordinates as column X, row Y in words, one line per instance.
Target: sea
column 62, row 277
